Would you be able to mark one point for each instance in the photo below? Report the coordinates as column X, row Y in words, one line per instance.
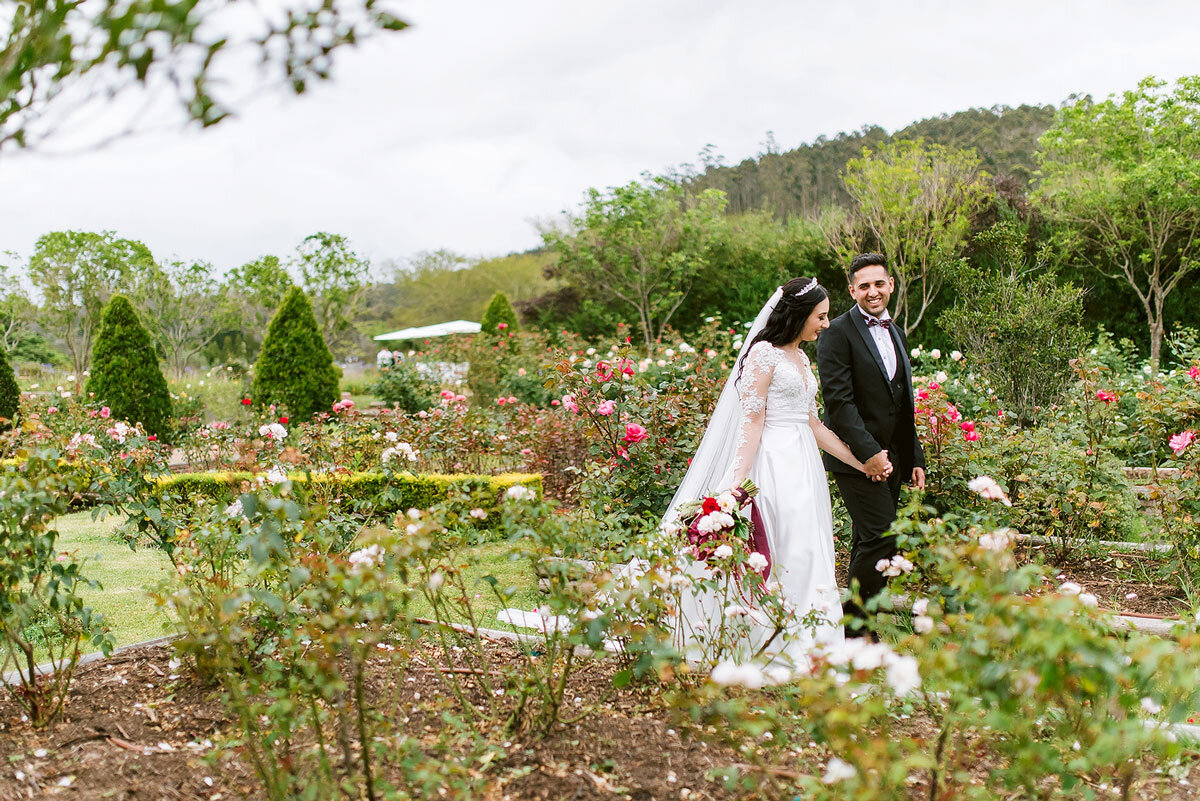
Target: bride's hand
column 740, row 495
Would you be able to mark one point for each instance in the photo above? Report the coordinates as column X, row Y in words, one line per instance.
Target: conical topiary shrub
column 499, row 311
column 295, row 368
column 10, row 393
column 125, row 375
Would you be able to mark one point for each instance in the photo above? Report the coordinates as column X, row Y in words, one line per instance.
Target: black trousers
column 872, row 509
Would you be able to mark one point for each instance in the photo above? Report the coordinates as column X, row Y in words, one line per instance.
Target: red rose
column 283, row 420
column 245, row 401
column 710, row 506
column 152, row 438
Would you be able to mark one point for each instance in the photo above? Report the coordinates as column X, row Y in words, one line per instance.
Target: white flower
column 1069, row 588
column 706, row 524
column 273, row 431
column 956, row 355
column 737, row 344
column 736, row 610
column 391, row 436
column 412, row 528
column 884, row 566
column 669, row 353
column 370, row 556
column 591, row 351
column 1150, row 706
column 414, row 513
column 679, row 581
column 478, row 514
column 723, row 551
column 915, row 353
column 400, row 449
column 997, row 540
column 923, row 624
column 1087, row 599
column 838, row 770
column 519, row 492
column 276, row 475
column 235, row 509
column 727, row 502
column 895, row 566
column 730, row 674
column 986, row 487
column 902, row 674
column 870, row 656
column 935, row 354
column 778, row 674
column 756, row 561
column 920, row 606
column 941, row 376
column 661, row 362
column 435, row 581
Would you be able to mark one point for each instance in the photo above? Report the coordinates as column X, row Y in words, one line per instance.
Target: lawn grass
column 128, row 576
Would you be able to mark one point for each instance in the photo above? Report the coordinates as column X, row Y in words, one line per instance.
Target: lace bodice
column 772, row 385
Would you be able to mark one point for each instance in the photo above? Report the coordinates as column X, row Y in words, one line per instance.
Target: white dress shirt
column 883, row 341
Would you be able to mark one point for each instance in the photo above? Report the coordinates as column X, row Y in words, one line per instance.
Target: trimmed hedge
column 295, row 368
column 420, row 491
column 125, row 375
column 10, row 393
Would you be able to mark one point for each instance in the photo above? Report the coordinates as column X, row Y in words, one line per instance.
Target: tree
column 10, row 393
column 59, row 55
column 1019, row 327
column 337, row 279
column 185, row 309
column 1122, row 177
column 251, row 295
column 125, row 375
column 76, row 273
column 498, row 311
column 295, row 367
column 914, row 202
column 641, row 245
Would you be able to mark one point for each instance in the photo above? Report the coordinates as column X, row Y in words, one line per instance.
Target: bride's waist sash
column 786, row 418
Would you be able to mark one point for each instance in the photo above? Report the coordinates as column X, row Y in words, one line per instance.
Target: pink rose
column 104, row 411
column 968, row 427
column 934, row 385
column 501, row 326
column 606, row 408
column 1106, row 396
column 1180, row 442
column 1194, row 372
column 604, row 371
column 500, row 401
column 634, row 433
column 971, row 436
column 511, row 399
column 953, row 414
column 52, row 410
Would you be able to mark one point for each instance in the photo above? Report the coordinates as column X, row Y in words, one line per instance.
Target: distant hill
column 801, row 181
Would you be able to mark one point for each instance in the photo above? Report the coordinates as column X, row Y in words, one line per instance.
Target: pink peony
column 634, row 433
column 1180, row 442
column 105, row 411
column 606, row 408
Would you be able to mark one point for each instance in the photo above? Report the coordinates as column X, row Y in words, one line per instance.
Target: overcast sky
column 486, row 115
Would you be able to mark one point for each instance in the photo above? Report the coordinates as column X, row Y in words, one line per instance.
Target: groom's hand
column 918, row 478
column 878, row 467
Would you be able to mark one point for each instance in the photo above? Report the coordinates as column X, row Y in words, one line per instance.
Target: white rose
column 915, row 353
column 956, row 355
column 756, row 561
column 519, row 492
column 838, row 770
column 435, row 581
column 729, row 674
column 1070, row 588
column 726, row 501
column 736, row 610
column 1087, row 599
column 923, row 624
column 276, row 475
column 723, row 551
column 941, row 376
column 920, row 606
column 903, row 675
column 935, row 354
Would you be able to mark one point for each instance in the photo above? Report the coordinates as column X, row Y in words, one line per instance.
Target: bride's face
column 817, row 322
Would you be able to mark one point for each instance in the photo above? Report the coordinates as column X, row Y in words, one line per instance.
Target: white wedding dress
column 773, row 444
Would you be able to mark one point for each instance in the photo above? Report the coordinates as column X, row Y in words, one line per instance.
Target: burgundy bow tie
column 876, row 321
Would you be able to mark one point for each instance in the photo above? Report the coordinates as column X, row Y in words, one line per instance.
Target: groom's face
column 872, row 289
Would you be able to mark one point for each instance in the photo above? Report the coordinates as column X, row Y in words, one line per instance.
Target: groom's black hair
column 866, row 260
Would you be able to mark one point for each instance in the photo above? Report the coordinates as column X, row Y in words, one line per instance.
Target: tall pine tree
column 295, row 368
column 125, row 375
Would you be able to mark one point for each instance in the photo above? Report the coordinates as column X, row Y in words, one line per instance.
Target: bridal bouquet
column 713, row 522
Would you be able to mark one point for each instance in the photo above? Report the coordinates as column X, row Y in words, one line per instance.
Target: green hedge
column 420, row 491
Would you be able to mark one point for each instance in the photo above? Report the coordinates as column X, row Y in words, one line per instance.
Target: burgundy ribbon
column 758, row 538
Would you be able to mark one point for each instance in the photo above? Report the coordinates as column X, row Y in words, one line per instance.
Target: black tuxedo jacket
column 862, row 407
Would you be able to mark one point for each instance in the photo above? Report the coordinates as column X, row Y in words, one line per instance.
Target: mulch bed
column 134, row 729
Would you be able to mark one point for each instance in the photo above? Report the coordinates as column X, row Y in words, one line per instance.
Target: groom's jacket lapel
column 865, row 332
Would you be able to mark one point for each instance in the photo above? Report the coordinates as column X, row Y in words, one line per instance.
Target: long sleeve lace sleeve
column 752, row 391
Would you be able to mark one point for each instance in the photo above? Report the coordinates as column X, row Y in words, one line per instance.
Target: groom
column 866, row 383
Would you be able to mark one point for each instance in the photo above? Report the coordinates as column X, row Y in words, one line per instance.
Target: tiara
column 807, row 288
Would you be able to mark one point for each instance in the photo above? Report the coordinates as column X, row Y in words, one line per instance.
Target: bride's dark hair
column 787, row 319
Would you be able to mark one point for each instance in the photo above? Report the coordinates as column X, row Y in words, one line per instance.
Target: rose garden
column 233, row 567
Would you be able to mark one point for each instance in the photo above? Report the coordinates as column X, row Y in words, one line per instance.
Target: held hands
column 878, row 467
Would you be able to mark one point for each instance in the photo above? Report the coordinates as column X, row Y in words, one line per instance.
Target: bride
column 766, row 428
